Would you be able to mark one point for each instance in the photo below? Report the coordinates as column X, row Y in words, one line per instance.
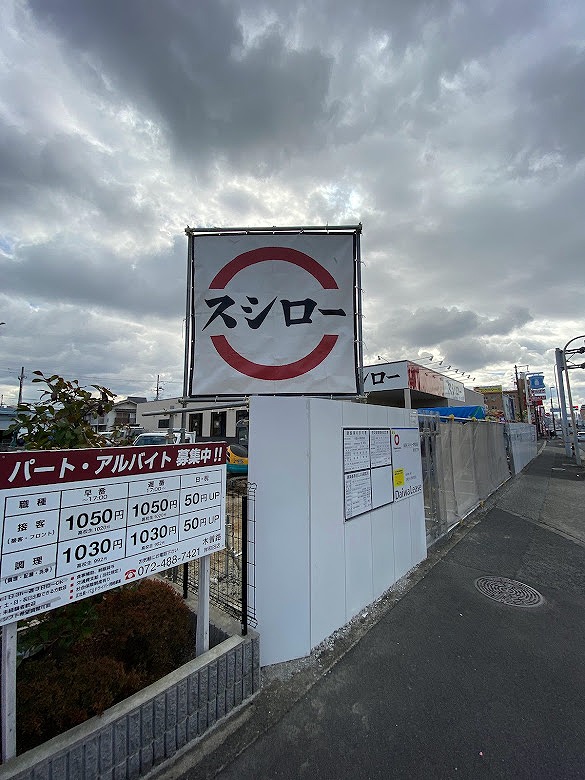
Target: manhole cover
column 511, row 592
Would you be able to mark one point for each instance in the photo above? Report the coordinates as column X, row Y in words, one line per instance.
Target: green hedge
column 96, row 653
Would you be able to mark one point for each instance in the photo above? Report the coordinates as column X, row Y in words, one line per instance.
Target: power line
column 125, row 379
column 103, row 378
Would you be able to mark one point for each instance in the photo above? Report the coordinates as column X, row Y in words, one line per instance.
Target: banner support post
column 8, row 695
column 187, row 353
column 202, row 638
column 359, row 312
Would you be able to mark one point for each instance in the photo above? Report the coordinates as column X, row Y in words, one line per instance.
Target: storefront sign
column 537, row 388
column 424, row 380
column 386, row 376
column 453, row 389
column 274, row 314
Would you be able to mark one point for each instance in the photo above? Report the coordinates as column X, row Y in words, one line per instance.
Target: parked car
column 581, row 435
column 150, row 439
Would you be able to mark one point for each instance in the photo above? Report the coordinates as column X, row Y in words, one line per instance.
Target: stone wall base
column 130, row 738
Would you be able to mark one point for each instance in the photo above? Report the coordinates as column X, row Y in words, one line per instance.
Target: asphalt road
column 448, row 683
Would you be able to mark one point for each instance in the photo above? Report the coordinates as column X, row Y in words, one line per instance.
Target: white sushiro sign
column 274, row 314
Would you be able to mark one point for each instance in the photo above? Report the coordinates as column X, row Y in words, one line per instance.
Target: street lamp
column 566, row 352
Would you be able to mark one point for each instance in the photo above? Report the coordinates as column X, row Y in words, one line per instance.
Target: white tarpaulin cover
column 274, row 314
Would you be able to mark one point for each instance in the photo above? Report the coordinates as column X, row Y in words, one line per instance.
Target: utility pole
column 21, row 379
column 519, row 395
column 159, row 387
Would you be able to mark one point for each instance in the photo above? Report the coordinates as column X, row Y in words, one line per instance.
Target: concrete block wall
column 133, row 736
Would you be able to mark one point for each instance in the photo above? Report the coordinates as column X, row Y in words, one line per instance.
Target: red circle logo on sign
column 289, row 370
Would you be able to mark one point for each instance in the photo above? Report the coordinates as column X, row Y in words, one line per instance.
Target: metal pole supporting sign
column 8, row 695
column 202, row 638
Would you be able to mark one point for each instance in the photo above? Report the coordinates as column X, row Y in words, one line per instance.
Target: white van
column 149, row 439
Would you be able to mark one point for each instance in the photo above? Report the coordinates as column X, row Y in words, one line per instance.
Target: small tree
column 61, row 420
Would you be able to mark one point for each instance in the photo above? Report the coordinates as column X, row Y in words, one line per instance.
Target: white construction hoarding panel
column 382, row 486
column 402, row 538
column 282, row 529
column 359, row 565
column 327, row 537
column 314, row 571
column 274, row 314
column 406, row 463
column 382, row 418
column 523, row 444
column 79, row 522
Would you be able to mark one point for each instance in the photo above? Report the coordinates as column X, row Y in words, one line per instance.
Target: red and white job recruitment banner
column 79, row 522
column 274, row 314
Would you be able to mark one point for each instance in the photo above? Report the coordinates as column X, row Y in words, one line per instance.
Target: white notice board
column 367, row 467
column 358, row 493
column 380, row 447
column 356, row 449
column 79, row 522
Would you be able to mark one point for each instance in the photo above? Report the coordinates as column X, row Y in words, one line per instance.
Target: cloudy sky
column 453, row 131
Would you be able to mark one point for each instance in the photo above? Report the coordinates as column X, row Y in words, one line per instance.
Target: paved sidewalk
column 441, row 681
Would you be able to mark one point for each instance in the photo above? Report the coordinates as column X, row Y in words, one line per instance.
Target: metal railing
column 232, row 570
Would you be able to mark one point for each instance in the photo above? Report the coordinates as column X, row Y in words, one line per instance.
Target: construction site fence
column 464, row 462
